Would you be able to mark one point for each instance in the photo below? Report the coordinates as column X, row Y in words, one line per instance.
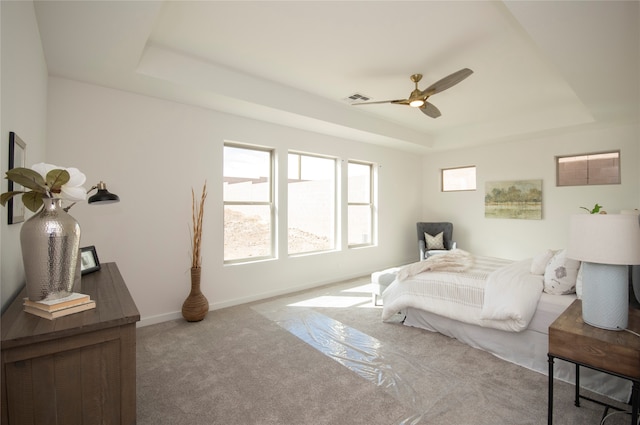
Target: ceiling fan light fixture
column 418, row 98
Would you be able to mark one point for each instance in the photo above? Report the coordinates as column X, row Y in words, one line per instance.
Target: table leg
column 635, row 394
column 577, row 402
column 550, row 402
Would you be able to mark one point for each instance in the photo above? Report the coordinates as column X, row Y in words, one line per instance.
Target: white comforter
column 492, row 293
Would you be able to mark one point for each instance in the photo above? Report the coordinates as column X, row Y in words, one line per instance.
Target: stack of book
column 50, row 309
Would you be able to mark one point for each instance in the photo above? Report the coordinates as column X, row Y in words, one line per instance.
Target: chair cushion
column 380, row 280
column 434, row 242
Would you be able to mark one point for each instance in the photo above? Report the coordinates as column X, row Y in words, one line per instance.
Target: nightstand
column 613, row 352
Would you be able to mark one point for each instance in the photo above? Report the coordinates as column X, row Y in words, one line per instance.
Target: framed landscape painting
column 521, row 199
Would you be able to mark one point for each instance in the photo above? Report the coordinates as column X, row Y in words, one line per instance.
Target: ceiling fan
column 418, row 98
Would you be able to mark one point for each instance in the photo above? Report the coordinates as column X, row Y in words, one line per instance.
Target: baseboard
column 165, row 317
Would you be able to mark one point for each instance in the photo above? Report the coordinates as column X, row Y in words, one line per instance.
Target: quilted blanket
column 492, row 292
column 455, row 260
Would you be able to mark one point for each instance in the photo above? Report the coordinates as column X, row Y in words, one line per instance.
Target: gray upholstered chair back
column 433, row 229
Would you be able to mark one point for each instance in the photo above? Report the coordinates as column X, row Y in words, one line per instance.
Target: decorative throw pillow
column 540, row 261
column 434, row 242
column 561, row 274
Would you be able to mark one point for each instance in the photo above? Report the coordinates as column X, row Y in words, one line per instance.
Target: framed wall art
column 513, row 199
column 17, row 153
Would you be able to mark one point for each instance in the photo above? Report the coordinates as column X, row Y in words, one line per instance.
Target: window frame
column 442, row 178
column 558, row 159
column 270, row 203
column 371, row 204
column 335, row 215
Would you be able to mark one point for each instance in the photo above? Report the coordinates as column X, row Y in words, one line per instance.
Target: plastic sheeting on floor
column 366, row 356
column 429, row 393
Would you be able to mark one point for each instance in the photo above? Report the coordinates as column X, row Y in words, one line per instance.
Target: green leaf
column 32, row 200
column 8, row 195
column 595, row 210
column 56, row 178
column 27, row 178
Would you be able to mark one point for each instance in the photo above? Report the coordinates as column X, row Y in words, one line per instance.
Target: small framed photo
column 17, row 151
column 89, row 260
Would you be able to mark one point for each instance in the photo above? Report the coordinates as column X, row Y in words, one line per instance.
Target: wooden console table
column 76, row 369
column 612, row 352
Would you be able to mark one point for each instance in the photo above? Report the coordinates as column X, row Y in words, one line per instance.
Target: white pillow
column 561, row 274
column 540, row 261
column 434, row 242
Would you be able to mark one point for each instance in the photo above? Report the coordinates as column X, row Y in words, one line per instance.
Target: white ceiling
column 539, row 66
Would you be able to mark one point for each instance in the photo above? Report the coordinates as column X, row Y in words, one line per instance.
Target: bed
column 501, row 306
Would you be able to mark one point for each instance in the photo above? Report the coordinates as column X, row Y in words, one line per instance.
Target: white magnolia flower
column 72, row 190
column 42, row 168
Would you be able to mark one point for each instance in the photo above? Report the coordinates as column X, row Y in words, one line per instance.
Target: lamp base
column 605, row 295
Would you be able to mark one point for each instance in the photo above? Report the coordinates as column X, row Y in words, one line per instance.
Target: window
column 360, row 210
column 596, row 168
column 248, row 203
column 311, row 203
column 457, row 179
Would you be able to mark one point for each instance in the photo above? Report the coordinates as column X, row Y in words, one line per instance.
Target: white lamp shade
column 605, row 238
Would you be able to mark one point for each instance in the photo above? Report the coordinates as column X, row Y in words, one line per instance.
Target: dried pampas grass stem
column 197, row 212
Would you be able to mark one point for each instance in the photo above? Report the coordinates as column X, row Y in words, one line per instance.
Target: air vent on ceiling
column 357, row 97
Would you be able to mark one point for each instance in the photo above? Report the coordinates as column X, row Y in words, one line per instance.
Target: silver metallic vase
column 50, row 242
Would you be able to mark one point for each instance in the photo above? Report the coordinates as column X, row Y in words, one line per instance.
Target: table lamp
column 103, row 196
column 606, row 244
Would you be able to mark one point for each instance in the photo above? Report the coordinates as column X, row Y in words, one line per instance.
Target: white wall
column 152, row 152
column 23, row 111
column 529, row 159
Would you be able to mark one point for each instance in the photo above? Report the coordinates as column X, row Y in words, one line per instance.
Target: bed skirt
column 528, row 348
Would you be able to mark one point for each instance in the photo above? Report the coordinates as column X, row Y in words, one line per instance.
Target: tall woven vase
column 50, row 242
column 196, row 306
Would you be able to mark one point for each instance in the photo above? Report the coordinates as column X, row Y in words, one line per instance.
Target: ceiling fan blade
column 446, row 82
column 380, row 101
column 430, row 110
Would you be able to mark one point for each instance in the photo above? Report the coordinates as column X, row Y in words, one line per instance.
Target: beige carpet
column 324, row 357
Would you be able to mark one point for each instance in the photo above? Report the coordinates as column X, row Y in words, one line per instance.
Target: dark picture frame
column 17, row 153
column 89, row 262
